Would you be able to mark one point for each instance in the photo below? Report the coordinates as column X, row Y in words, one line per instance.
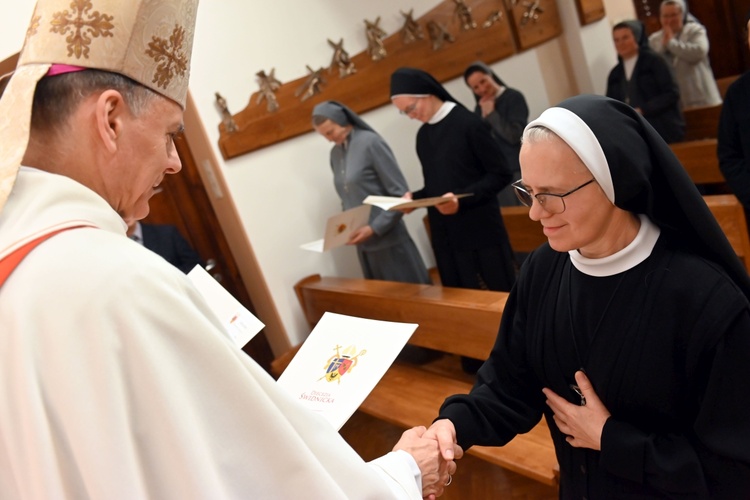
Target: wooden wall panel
column 535, row 22
column 590, row 11
column 368, row 88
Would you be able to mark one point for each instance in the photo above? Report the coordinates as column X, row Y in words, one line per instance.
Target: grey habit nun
column 365, row 165
column 661, row 329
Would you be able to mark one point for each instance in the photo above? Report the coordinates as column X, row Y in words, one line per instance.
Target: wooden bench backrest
column 724, row 83
column 700, row 160
column 702, row 123
column 453, row 320
column 731, row 217
column 525, row 234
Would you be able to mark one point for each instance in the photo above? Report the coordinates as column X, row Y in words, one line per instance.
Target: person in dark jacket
column 644, row 80
column 167, row 241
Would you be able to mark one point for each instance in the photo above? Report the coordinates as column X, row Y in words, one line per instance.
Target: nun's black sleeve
column 712, row 458
column 507, row 398
column 510, row 116
column 485, row 153
column 659, row 87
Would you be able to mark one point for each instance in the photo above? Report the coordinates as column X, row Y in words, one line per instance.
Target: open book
column 339, row 227
column 395, row 203
column 341, row 362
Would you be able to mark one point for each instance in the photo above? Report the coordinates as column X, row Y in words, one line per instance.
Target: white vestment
column 117, row 382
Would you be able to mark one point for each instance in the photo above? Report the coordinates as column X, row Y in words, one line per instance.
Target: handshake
column 435, row 451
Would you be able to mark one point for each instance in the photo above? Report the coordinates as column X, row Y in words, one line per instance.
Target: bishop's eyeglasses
column 550, row 202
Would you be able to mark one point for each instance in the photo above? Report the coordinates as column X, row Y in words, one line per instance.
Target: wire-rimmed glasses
column 550, row 202
column 410, row 108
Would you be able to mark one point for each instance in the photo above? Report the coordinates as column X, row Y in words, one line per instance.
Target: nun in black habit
column 458, row 155
column 643, row 79
column 505, row 110
column 629, row 331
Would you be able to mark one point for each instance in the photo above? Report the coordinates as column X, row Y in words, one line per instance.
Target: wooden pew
column 408, row 394
column 700, row 159
column 411, row 394
column 703, row 167
column 442, row 313
column 730, row 215
column 702, row 122
column 525, row 234
column 724, row 83
column 702, row 164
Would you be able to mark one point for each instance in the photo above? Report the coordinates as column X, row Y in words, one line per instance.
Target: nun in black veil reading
column 458, row 155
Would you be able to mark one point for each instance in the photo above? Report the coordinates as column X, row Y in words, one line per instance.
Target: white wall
column 294, row 177
column 284, row 193
column 617, row 11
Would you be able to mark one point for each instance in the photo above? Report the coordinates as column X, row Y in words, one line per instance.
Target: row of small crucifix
column 411, row 31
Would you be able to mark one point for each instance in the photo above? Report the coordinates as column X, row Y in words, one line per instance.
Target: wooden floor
column 475, row 478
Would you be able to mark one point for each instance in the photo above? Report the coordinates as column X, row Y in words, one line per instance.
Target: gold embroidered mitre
column 149, row 41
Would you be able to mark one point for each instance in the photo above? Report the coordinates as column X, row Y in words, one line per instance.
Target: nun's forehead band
column 581, row 139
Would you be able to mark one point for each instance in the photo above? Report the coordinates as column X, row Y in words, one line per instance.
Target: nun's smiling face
column 482, row 85
column 587, row 224
column 625, row 43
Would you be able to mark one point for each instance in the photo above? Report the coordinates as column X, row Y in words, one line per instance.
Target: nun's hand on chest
column 581, row 423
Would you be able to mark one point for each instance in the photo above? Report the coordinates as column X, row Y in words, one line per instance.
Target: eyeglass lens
column 409, row 109
column 551, row 203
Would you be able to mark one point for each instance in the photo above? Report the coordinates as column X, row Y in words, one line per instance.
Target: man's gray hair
column 56, row 98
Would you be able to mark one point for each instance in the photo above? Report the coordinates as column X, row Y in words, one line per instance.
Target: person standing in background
column 458, row 155
column 683, row 42
column 645, row 81
column 165, row 240
column 506, row 111
column 363, row 164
